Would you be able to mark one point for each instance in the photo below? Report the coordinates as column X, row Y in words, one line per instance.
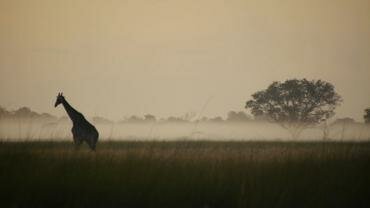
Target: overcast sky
column 115, row 58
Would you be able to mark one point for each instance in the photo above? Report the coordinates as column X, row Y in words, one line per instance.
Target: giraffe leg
column 92, row 144
column 93, row 147
column 77, row 142
column 92, row 140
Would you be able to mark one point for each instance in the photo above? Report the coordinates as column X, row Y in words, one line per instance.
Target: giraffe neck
column 73, row 114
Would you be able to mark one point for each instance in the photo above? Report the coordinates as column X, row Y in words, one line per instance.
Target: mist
column 27, row 129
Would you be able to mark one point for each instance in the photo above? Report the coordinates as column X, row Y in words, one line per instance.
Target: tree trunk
column 295, row 133
column 325, row 132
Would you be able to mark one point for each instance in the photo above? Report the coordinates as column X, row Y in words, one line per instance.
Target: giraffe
column 82, row 130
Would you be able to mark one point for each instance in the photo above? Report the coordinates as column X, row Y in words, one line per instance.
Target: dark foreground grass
column 185, row 174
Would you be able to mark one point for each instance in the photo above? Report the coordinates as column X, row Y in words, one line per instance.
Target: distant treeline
column 25, row 112
column 231, row 117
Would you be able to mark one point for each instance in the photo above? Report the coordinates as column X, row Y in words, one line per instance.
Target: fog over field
column 31, row 129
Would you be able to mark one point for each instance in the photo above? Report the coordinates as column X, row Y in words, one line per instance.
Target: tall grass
column 185, row 174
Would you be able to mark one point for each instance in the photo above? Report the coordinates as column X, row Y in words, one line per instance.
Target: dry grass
column 185, row 174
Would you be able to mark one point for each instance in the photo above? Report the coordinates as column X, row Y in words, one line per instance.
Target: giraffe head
column 60, row 99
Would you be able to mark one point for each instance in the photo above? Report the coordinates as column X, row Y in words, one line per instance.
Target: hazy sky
column 115, row 58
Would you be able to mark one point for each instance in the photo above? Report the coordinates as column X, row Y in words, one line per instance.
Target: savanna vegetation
column 185, row 174
column 329, row 171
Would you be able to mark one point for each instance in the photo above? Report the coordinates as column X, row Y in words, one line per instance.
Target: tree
column 217, row 119
column 240, row 116
column 295, row 104
column 367, row 116
column 134, row 119
column 101, row 120
column 149, row 118
column 3, row 112
column 25, row 112
column 174, row 119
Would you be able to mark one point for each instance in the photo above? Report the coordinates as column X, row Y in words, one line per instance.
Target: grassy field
column 185, row 174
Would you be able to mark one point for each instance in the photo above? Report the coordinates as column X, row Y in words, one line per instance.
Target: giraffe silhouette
column 82, row 130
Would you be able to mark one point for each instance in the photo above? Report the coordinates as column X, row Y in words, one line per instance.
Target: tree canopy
column 295, row 104
column 240, row 116
column 367, row 116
